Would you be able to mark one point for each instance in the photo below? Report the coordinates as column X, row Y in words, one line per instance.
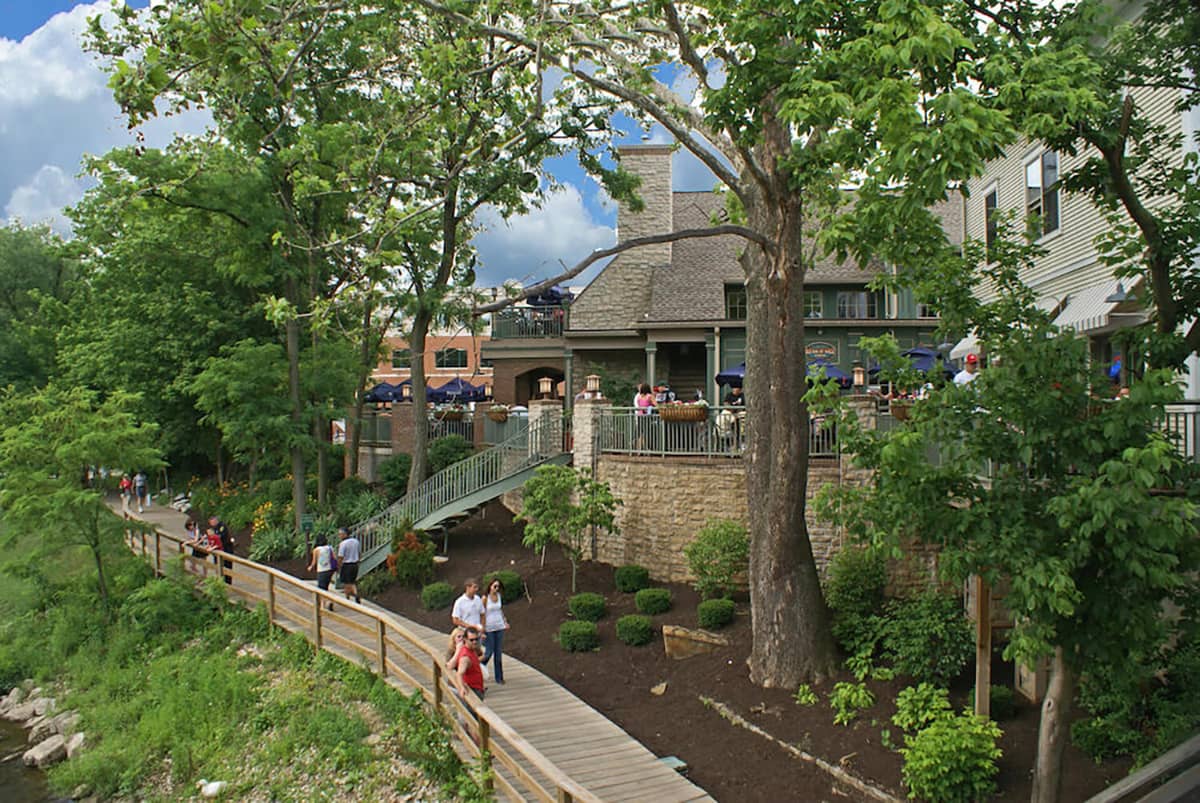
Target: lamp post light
column 545, row 387
column 592, row 386
column 406, row 392
column 487, row 390
column 860, row 377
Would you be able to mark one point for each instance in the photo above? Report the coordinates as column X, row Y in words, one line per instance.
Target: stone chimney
column 652, row 164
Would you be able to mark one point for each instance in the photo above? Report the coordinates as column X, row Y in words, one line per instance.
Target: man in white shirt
column 468, row 609
column 348, row 554
column 969, row 371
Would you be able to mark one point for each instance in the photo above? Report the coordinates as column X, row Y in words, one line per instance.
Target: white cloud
column 535, row 246
column 55, row 106
column 43, row 199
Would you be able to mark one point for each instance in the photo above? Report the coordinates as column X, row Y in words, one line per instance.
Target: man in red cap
column 969, row 371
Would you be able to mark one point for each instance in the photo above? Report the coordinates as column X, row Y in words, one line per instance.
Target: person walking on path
column 323, row 561
column 468, row 609
column 126, row 494
column 494, row 625
column 141, row 490
column 349, row 551
column 221, row 538
column 470, row 671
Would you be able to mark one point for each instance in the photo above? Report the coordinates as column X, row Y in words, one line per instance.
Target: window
column 735, row 302
column 486, row 362
column 813, row 307
column 450, row 358
column 1041, row 193
column 990, row 209
column 857, row 305
column 402, row 358
column 925, row 311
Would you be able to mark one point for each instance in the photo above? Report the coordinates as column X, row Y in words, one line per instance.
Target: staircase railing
column 536, row 444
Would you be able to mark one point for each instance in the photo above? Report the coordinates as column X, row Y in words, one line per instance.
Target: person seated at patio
column 663, row 395
column 734, row 398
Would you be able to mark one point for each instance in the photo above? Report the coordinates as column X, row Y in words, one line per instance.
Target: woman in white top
column 322, row 561
column 494, row 625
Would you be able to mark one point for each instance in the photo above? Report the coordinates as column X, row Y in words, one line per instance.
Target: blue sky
column 55, row 107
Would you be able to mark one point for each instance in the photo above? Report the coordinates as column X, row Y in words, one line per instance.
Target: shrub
column 720, row 552
column 514, row 586
column 357, row 506
column 448, row 450
column 412, row 560
column 587, row 607
column 805, row 695
column 928, row 638
column 953, row 760
column 393, row 473
column 848, row 699
column 653, row 600
column 918, row 706
column 1001, row 702
column 635, row 630
column 575, row 636
column 715, row 613
column 857, row 577
column 276, row 543
column 436, row 596
column 375, row 583
column 632, row 578
column 857, row 634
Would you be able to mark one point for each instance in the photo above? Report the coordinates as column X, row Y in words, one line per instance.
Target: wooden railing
column 518, row 770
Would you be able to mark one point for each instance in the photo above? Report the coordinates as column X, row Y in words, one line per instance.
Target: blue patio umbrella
column 456, row 389
column 732, row 376
column 922, row 359
column 381, row 393
column 832, row 371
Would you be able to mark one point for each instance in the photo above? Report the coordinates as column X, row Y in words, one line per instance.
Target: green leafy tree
column 1071, row 496
column 53, row 441
column 560, row 507
column 35, row 279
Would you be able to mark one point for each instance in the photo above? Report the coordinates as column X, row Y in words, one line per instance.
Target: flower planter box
column 683, row 412
column 499, row 416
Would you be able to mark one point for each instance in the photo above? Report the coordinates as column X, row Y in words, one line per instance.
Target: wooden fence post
column 381, row 646
column 157, row 552
column 564, row 796
column 485, row 737
column 317, row 619
column 271, row 597
column 437, row 684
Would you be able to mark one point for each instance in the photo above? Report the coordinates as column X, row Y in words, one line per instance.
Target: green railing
column 720, row 433
column 534, row 445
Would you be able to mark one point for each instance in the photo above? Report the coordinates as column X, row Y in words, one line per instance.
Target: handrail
column 488, row 730
column 532, row 445
column 716, row 432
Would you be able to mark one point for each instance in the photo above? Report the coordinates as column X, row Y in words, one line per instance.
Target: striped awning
column 1088, row 310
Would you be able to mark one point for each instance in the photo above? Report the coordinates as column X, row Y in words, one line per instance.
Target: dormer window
column 736, row 305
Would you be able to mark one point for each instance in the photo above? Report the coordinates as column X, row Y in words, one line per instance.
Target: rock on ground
column 48, row 752
column 75, row 744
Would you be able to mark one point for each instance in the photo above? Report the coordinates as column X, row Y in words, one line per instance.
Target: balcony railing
column 722, row 433
column 442, row 424
column 528, row 322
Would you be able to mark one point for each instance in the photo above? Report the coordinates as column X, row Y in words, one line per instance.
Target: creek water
column 18, row 783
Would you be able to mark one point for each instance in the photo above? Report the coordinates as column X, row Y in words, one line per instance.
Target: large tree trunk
column 292, row 331
column 365, row 366
column 321, row 438
column 790, row 623
column 420, row 439
column 1052, row 731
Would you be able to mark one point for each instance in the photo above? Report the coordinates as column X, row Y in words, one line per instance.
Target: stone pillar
column 585, row 426
column 569, row 378
column 651, row 355
column 866, row 408
column 402, row 428
column 550, row 439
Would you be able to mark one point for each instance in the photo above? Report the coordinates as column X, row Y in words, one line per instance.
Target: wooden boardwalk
column 544, row 742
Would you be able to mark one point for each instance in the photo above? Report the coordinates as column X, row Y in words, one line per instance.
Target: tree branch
column 636, row 242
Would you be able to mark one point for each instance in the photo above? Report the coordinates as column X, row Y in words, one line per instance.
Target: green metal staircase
column 464, row 486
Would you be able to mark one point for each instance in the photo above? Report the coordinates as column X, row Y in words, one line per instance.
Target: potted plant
column 498, row 413
column 684, row 411
column 452, row 411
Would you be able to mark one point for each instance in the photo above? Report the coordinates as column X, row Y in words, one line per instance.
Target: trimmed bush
column 514, row 586
column 576, row 636
column 715, row 613
column 393, row 473
column 635, row 629
column 375, row 583
column 448, row 450
column 411, row 560
column 653, row 600
column 587, row 607
column 857, row 578
column 720, row 552
column 953, row 760
column 275, row 543
column 632, row 578
column 436, row 596
column 1001, row 703
column 928, row 638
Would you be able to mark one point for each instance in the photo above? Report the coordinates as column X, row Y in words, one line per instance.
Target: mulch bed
column 729, row 762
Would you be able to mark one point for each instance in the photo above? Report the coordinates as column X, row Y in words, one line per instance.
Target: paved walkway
column 595, row 754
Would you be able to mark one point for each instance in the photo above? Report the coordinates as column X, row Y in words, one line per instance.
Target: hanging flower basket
column 498, row 415
column 900, row 409
column 683, row 412
column 450, row 415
